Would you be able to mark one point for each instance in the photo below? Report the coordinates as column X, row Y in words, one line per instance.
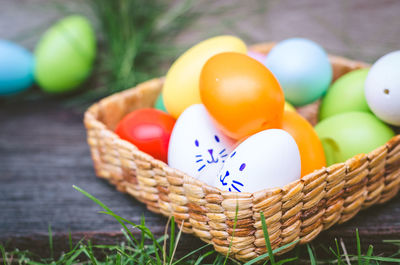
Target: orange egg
column 241, row 94
column 311, row 151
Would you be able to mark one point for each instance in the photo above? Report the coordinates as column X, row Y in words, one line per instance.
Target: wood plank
column 43, row 152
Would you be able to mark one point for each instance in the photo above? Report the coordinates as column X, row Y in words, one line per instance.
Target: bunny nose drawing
column 212, row 157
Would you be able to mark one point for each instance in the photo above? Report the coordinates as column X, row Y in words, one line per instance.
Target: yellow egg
column 289, row 107
column 181, row 87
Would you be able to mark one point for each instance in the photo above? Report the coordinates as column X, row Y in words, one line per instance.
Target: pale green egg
column 345, row 94
column 65, row 55
column 347, row 134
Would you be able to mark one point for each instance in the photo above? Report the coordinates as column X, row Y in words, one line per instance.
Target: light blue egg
column 302, row 68
column 16, row 68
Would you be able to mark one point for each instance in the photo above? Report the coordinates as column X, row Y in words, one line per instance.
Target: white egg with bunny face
column 382, row 88
column 196, row 146
column 267, row 159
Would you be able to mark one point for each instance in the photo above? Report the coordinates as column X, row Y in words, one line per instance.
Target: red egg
column 149, row 130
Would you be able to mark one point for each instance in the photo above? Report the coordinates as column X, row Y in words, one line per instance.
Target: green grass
column 162, row 251
column 136, row 37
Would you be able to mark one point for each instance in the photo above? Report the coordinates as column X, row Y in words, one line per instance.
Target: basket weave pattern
column 298, row 211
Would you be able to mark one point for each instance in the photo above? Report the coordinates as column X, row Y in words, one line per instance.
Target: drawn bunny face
column 209, row 155
column 267, row 159
column 196, row 147
column 229, row 178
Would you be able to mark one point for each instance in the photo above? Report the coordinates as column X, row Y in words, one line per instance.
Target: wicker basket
column 297, row 212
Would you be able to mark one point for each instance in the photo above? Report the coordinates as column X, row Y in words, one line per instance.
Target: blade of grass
column 190, row 254
column 119, row 219
column 385, row 259
column 156, row 252
column 346, row 256
column 88, row 251
column 233, row 232
column 70, row 240
column 369, row 254
column 172, row 239
column 218, row 260
column 235, row 261
column 266, row 255
column 392, row 241
column 311, row 254
column 165, row 241
column 142, row 233
column 324, row 248
column 128, row 238
column 3, row 254
column 200, row 259
column 286, row 260
column 358, row 247
column 144, row 228
column 71, row 252
column 118, row 260
column 71, row 259
column 97, row 201
column 176, row 244
column 51, row 242
column 33, row 262
column 339, row 256
column 266, row 238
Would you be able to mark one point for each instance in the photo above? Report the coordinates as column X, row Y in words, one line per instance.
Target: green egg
column 160, row 103
column 348, row 134
column 345, row 94
column 65, row 55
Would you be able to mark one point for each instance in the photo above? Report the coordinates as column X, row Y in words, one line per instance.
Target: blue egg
column 16, row 68
column 302, row 68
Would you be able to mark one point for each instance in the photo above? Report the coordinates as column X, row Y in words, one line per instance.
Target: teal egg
column 160, row 103
column 348, row 134
column 346, row 94
column 65, row 55
column 16, row 68
column 302, row 68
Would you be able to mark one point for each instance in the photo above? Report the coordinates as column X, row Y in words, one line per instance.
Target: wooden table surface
column 43, row 152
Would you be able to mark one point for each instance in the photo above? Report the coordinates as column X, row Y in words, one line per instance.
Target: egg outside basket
column 298, row 211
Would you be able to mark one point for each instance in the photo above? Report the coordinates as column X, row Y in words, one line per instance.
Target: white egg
column 196, row 146
column 268, row 159
column 382, row 88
